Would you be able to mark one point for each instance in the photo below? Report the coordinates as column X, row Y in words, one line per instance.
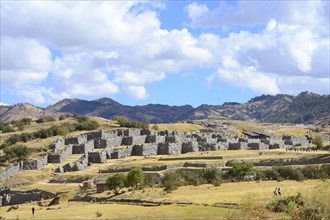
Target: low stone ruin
column 10, row 197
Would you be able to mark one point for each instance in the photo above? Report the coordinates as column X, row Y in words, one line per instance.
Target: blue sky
column 167, row 52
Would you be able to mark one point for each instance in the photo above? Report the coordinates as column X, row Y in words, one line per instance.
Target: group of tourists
column 308, row 149
column 277, row 192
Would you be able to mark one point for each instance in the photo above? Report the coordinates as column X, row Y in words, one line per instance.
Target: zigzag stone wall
column 96, row 147
column 142, row 142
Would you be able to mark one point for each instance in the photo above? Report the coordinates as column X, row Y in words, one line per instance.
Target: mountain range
column 306, row 107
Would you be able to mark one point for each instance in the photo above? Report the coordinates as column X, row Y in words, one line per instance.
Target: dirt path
column 46, row 182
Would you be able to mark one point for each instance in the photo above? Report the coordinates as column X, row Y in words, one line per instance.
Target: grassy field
column 29, row 178
column 202, row 196
column 183, row 127
column 115, row 211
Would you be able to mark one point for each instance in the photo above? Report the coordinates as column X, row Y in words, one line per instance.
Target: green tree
column 212, row 175
column 241, row 170
column 171, row 181
column 26, row 121
column 46, row 119
column 6, row 128
column 135, row 177
column 155, row 127
column 122, row 121
column 116, row 182
column 318, row 141
column 20, row 152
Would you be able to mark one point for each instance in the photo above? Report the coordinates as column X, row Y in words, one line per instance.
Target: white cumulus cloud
column 56, row 49
column 196, row 10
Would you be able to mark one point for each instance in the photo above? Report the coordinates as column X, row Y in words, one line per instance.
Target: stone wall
column 126, row 141
column 148, row 149
column 83, row 148
column 34, row 164
column 320, row 159
column 98, row 156
column 58, row 145
column 234, row 146
column 9, row 197
column 61, row 156
column 169, row 148
column 9, row 171
column 76, row 140
column 191, row 146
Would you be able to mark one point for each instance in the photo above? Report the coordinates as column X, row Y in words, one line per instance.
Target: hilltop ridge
column 304, row 108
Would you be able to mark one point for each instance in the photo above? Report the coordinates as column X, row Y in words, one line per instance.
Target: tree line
column 171, row 180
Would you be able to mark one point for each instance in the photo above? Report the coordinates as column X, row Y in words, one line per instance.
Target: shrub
column 135, row 177
column 26, row 121
column 98, row 214
column 171, row 181
column 46, row 119
column 155, row 127
column 289, row 173
column 285, row 204
column 240, row 170
column 315, row 205
column 87, row 125
column 6, row 128
column 20, row 152
column 190, row 178
column 150, row 179
column 125, row 122
column 212, row 175
column 116, row 182
column 250, row 209
column 318, row 141
column 62, row 117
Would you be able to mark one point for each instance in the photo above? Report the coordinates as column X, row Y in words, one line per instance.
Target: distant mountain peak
column 231, row 103
column 106, row 100
column 260, row 98
column 281, row 108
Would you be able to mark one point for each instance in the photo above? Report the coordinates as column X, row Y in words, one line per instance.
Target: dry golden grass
column 115, row 211
column 183, row 127
column 248, row 125
column 291, row 130
column 231, row 192
column 262, row 192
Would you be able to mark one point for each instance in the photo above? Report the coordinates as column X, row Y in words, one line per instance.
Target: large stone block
column 34, row 164
column 234, row 146
column 168, row 148
column 288, row 142
column 191, row 146
column 150, row 139
column 127, row 141
column 145, row 132
column 253, row 146
column 139, row 140
column 9, row 171
column 77, row 167
column 132, row 132
column 144, row 150
column 76, row 140
column 97, row 156
column 137, row 150
column 170, row 139
column 83, row 148
column 61, row 156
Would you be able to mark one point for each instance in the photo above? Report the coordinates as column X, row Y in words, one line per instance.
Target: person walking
column 279, row 191
column 275, row 192
column 33, row 209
